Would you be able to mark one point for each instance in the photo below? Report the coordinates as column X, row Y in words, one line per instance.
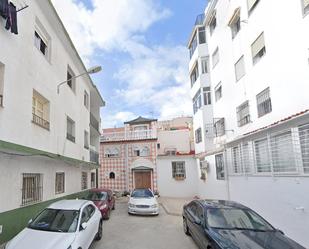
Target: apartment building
column 49, row 139
column 257, row 76
column 147, row 153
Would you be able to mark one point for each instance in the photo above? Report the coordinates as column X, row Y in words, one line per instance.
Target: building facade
column 49, row 139
column 257, row 74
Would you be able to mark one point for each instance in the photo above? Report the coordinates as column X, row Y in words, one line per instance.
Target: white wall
column 168, row 186
column 178, row 139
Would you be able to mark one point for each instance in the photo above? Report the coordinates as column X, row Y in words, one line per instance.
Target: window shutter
column 258, row 44
column 251, row 4
column 234, row 17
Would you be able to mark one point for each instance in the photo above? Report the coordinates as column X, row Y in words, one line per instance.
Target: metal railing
column 32, row 189
column 129, row 135
column 94, row 122
column 40, row 121
column 94, row 156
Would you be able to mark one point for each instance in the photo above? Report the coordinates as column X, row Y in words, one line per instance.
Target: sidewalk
column 173, row 206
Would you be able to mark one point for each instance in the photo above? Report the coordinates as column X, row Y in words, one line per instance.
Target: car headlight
column 154, row 206
column 103, row 206
column 131, row 205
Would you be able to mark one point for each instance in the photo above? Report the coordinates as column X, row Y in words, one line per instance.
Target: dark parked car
column 230, row 225
column 103, row 199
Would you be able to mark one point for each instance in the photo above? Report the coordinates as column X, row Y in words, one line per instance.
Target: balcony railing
column 130, row 135
column 94, row 156
column 94, row 122
column 40, row 121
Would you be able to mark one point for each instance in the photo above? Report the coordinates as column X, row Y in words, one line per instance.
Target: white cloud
column 117, row 119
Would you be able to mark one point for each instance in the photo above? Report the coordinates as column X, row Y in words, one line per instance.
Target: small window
column 111, row 152
column 2, row 67
column 59, row 184
column 40, row 44
column 198, row 135
column 243, row 114
column 215, row 58
column 136, row 152
column 111, row 175
column 240, row 70
column 70, row 130
column 264, row 102
column 235, row 23
column 86, row 140
column 42, row 40
column 194, row 74
column 145, row 151
column 86, row 99
column 84, row 180
column 212, row 22
column 32, row 188
column 218, row 92
column 220, row 127
column 252, row 4
column 306, row 6
column 207, row 96
column 71, row 79
column 197, row 101
column 201, row 35
column 204, row 63
column 92, row 178
column 220, row 167
column 158, row 146
column 193, row 45
column 40, row 110
column 178, row 170
column 258, row 48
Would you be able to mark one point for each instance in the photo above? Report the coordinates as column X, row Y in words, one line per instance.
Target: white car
column 143, row 201
column 66, row 224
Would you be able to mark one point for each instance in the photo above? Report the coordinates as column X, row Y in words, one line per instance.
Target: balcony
column 94, row 155
column 38, row 120
column 129, row 135
column 94, row 123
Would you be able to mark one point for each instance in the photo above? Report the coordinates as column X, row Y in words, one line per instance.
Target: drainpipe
column 227, row 172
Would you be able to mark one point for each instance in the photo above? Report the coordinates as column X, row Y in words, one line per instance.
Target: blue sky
column 141, row 45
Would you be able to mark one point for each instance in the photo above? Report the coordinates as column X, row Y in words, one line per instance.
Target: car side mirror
column 83, row 226
column 30, row 221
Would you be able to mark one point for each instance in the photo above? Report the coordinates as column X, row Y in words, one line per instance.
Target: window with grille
column 40, row 110
column 306, row 6
column 204, row 62
column 264, row 102
column 111, row 152
column 243, row 114
column 178, row 170
column 70, row 130
column 194, row 74
column 220, row 167
column 258, row 48
column 304, row 144
column 32, row 188
column 84, row 180
column 202, row 35
column 213, row 22
column 215, row 57
column 220, row 127
column 207, row 95
column 193, row 45
column 236, row 160
column 198, row 135
column 92, row 182
column 234, row 23
column 112, row 175
column 218, row 92
column 245, row 158
column 197, row 101
column 262, row 156
column 240, row 70
column 252, row 4
column 60, row 183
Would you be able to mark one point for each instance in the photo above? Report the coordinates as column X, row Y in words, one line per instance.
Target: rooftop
column 140, row 120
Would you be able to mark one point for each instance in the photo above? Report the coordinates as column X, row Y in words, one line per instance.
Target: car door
column 200, row 228
column 191, row 214
column 84, row 234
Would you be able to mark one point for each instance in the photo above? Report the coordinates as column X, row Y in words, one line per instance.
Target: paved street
column 134, row 232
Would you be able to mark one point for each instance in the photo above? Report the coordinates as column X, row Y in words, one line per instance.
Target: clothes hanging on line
column 11, row 21
column 4, row 8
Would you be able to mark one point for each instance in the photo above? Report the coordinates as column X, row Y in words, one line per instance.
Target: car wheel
column 108, row 214
column 185, row 227
column 114, row 206
column 100, row 231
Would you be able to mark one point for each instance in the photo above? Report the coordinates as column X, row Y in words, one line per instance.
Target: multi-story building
column 258, row 74
column 146, row 153
column 49, row 139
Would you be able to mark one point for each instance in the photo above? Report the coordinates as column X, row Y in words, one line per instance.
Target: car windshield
column 142, row 193
column 97, row 196
column 233, row 218
column 56, row 220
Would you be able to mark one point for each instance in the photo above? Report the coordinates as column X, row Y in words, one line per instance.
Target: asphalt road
column 122, row 231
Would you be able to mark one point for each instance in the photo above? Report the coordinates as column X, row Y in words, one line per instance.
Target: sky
column 141, row 46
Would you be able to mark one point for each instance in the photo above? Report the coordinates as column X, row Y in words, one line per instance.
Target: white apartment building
column 257, row 120
column 49, row 140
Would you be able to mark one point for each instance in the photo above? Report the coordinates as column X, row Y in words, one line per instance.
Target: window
column 207, row 96
column 158, row 146
column 71, row 79
column 170, row 151
column 212, row 22
column 194, row 74
column 304, row 144
column 86, row 140
column 215, row 58
column 70, row 130
column 178, row 170
column 246, row 158
column 136, row 152
column 204, row 62
column 243, row 114
column 236, row 160
column 197, row 101
column 258, row 48
column 111, row 175
column 262, row 155
column 198, row 135
column 218, row 92
column 59, row 184
column 235, row 23
column 240, row 70
column 282, row 153
column 32, row 188
column 84, row 180
column 220, row 167
column 111, row 152
column 2, row 67
column 252, row 4
column 40, row 44
column 193, row 45
column 92, row 180
column 264, row 102
column 145, row 151
column 203, row 168
column 220, row 127
column 42, row 40
column 306, row 6
column 201, row 35
column 40, row 110
column 86, row 99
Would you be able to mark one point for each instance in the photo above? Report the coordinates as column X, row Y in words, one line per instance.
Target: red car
column 103, row 199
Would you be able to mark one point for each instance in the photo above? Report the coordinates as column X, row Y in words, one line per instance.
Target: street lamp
column 91, row 70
